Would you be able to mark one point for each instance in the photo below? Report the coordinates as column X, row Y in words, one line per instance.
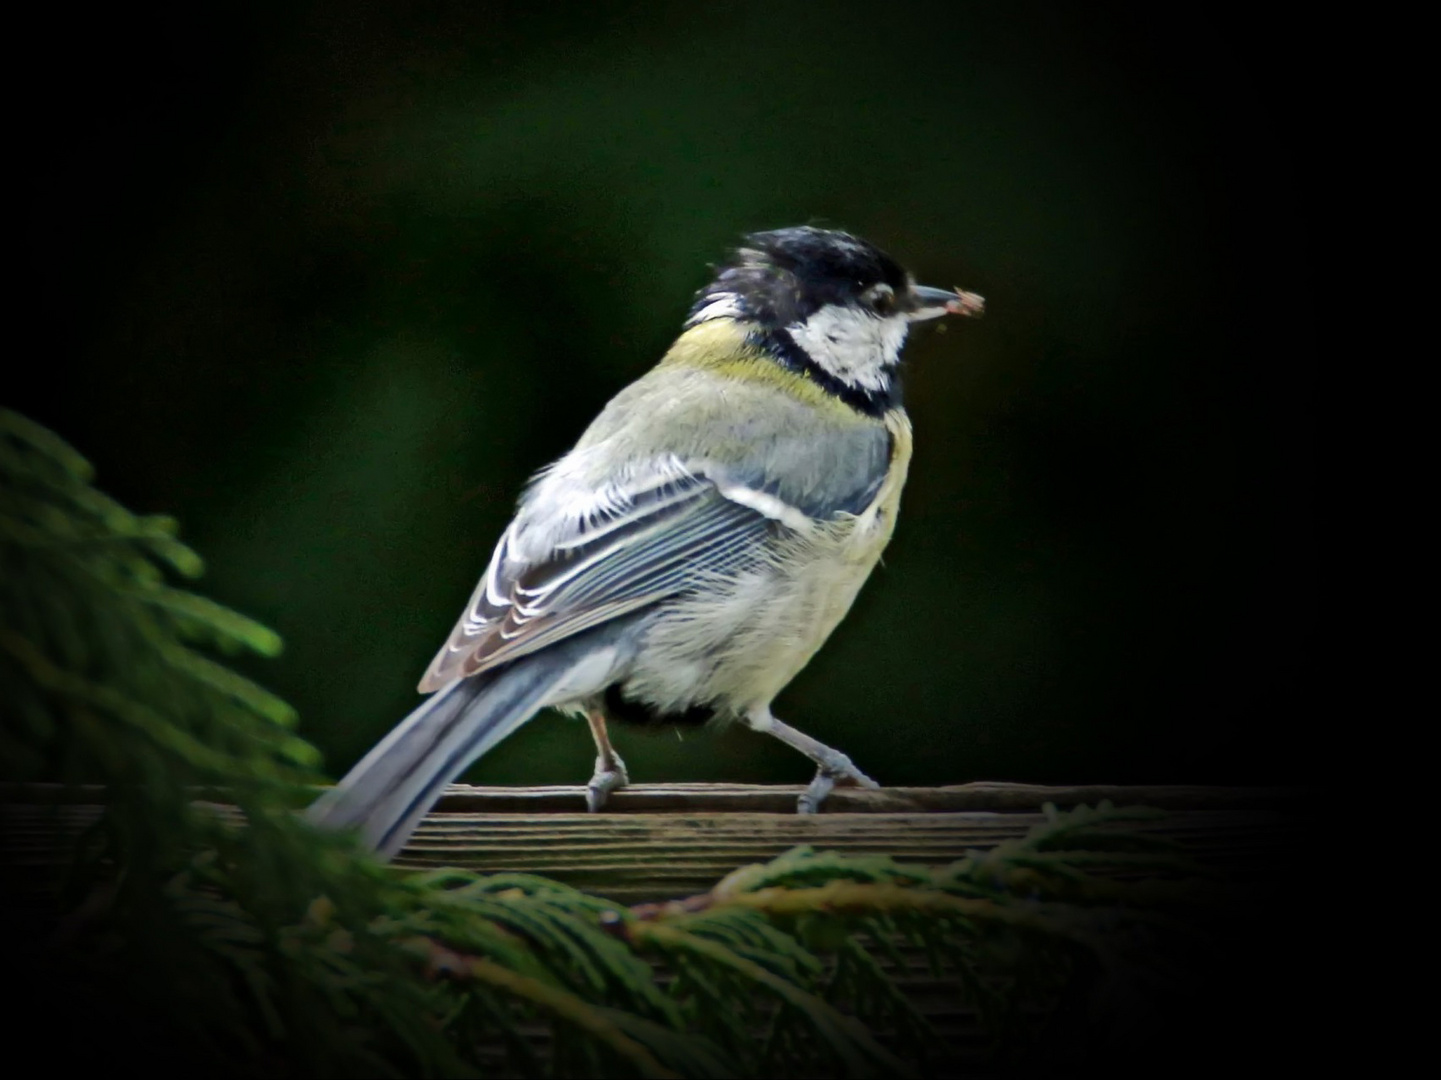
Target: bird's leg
column 610, row 771
column 832, row 766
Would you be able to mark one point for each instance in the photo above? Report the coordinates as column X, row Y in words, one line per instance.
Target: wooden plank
column 660, row 842
column 665, row 841
column 635, row 857
column 781, row 798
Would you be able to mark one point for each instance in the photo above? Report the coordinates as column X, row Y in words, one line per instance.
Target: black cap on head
column 785, row 275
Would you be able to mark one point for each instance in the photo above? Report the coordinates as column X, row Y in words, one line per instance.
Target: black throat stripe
column 779, row 345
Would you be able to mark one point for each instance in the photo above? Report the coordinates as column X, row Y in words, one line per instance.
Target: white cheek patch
column 857, row 348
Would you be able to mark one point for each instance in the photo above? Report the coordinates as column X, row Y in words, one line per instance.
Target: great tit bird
column 701, row 541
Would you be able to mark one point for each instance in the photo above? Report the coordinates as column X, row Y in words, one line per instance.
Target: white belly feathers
column 738, row 645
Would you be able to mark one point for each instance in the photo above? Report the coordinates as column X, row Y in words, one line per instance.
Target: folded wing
column 667, row 532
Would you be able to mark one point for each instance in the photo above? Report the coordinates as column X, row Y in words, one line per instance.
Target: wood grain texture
column 663, row 841
column 781, row 798
column 660, row 842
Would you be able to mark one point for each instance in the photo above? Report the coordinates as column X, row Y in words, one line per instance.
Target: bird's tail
column 391, row 789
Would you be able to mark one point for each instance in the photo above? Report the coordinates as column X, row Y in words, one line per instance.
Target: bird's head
column 829, row 304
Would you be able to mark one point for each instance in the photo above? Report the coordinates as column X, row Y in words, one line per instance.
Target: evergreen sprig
column 255, row 945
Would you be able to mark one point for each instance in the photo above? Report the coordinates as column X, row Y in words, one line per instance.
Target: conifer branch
column 276, row 948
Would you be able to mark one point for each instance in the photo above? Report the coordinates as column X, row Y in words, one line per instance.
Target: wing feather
column 665, row 535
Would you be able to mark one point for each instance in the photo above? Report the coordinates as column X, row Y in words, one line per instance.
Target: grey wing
column 664, row 533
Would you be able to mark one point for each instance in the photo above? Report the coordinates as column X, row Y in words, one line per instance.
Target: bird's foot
column 609, row 776
column 834, row 769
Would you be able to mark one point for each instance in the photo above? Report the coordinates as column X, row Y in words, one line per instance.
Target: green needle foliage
column 200, row 923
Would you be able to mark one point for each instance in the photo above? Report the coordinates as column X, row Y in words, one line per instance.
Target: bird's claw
column 608, row 777
column 832, row 771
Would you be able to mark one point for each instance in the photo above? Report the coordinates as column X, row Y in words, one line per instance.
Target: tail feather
column 394, row 786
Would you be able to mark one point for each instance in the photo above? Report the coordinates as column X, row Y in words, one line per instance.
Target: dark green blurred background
column 329, row 281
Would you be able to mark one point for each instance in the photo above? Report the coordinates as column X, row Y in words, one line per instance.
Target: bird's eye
column 880, row 297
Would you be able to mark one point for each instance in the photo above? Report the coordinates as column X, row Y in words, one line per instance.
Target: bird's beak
column 929, row 303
